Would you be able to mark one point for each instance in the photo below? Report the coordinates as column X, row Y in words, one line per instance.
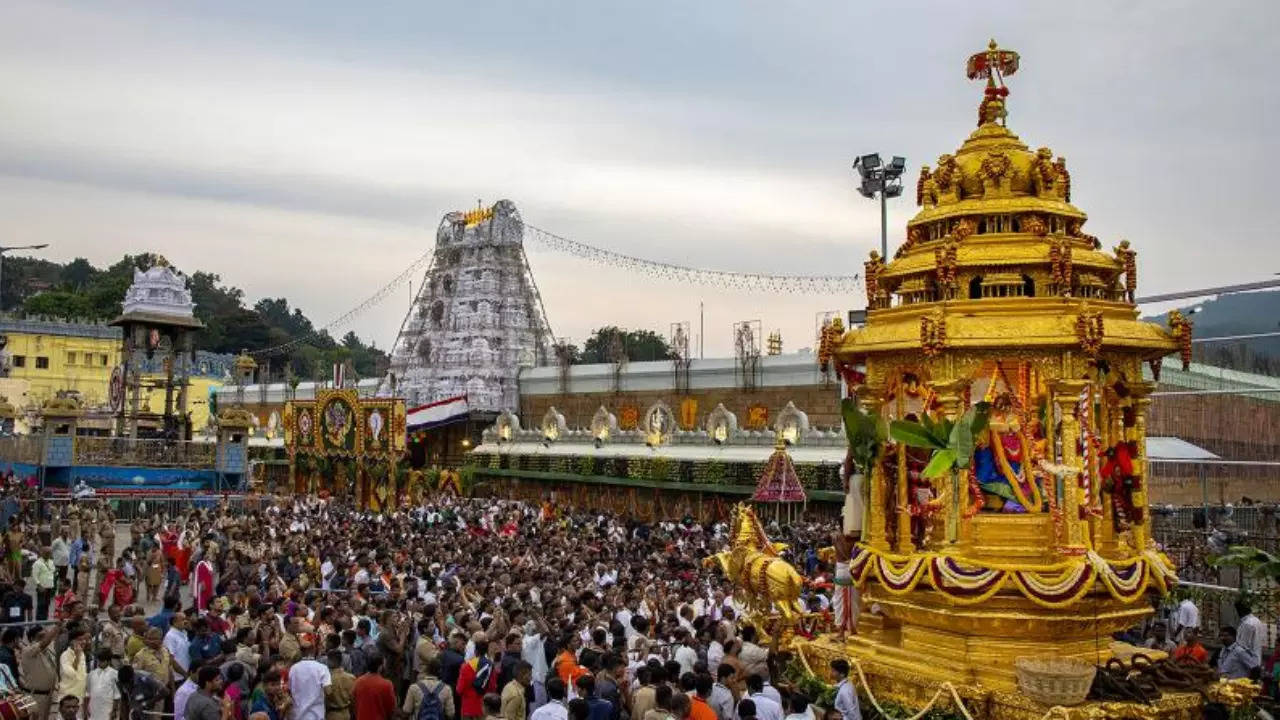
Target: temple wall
column 778, row 380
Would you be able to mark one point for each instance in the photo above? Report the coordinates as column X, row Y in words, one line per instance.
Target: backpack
column 484, row 668
column 431, row 707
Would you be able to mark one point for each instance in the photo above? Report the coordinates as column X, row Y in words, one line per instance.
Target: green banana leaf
column 864, row 432
column 961, row 440
column 940, row 464
column 915, row 435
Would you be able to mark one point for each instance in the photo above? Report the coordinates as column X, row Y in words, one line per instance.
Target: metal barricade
column 127, row 508
column 130, row 452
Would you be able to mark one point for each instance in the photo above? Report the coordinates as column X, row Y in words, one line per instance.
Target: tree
column 637, row 345
column 77, row 274
column 25, row 276
column 79, row 291
column 568, row 352
column 275, row 311
column 59, row 304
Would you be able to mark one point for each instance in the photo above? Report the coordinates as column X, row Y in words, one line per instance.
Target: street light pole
column 884, row 228
column 885, row 180
column 5, row 249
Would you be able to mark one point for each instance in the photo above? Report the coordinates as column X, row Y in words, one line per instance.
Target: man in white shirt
column 326, row 574
column 555, row 708
column 361, row 577
column 60, row 550
column 1251, row 633
column 307, row 681
column 1186, row 616
column 102, row 688
column 177, row 643
column 766, row 707
column 686, row 655
column 772, row 693
column 846, row 696
column 715, row 650
column 533, row 651
column 182, row 695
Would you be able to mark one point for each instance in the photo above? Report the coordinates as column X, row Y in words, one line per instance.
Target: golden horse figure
column 764, row 582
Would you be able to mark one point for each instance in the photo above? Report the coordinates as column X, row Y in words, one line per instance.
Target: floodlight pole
column 878, row 177
column 884, row 225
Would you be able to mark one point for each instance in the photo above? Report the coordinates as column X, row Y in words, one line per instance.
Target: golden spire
column 992, row 64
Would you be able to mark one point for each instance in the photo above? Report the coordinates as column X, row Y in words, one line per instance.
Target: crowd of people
column 461, row 608
column 1239, row 653
column 458, row 609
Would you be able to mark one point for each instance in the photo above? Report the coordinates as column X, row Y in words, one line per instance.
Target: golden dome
column 997, row 240
column 996, row 206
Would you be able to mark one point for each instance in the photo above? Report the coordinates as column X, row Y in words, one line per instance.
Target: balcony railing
column 143, row 453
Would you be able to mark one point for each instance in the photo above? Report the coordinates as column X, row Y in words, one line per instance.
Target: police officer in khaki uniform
column 339, row 693
column 39, row 666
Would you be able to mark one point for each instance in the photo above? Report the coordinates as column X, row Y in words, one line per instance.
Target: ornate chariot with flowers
column 1006, row 515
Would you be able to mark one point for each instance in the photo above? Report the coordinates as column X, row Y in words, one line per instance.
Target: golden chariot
column 1005, row 515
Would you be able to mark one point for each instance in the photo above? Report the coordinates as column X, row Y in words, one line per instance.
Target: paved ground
column 123, row 539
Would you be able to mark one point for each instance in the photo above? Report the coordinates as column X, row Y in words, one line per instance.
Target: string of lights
column 382, row 294
column 751, row 282
column 754, row 282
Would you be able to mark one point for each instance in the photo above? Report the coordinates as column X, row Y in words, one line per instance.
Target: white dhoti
column 844, row 600
column 851, row 514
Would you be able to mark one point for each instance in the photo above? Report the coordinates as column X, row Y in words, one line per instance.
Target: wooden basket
column 1055, row 681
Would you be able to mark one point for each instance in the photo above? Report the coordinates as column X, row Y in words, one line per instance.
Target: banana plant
column 1252, row 561
column 866, row 434
column 952, row 444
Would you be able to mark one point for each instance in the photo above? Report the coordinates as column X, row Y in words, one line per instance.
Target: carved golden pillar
column 903, row 502
column 1142, row 407
column 950, row 396
column 873, row 526
column 1066, row 395
column 904, row 544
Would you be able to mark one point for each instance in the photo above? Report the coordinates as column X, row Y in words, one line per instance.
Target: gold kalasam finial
column 992, row 64
column 477, row 216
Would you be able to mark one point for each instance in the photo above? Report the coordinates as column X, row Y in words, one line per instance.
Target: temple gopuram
column 1002, row 526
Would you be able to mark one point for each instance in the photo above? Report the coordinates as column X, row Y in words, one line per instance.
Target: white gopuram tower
column 477, row 318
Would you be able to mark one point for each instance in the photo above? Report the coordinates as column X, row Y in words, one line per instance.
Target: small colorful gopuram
column 1006, row 515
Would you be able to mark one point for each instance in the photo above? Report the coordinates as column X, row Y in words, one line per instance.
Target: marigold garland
column 1054, row 586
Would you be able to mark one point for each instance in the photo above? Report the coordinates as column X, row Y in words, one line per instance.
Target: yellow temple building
column 50, row 357
column 1006, row 515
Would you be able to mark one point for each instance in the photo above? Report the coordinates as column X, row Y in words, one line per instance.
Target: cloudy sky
column 307, row 149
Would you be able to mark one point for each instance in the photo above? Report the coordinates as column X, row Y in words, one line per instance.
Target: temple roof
column 159, row 296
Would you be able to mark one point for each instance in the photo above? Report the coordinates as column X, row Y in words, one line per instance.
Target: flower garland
column 1180, row 327
column 968, row 582
column 1036, row 501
